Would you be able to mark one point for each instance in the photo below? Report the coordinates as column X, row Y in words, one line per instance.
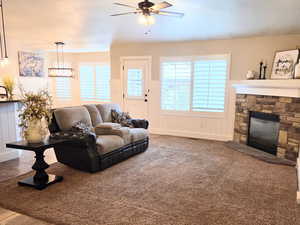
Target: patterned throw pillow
column 122, row 118
column 78, row 131
column 81, row 127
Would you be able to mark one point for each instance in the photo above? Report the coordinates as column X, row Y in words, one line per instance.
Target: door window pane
column 135, row 83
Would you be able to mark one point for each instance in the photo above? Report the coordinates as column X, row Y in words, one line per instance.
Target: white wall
column 246, row 54
column 12, row 69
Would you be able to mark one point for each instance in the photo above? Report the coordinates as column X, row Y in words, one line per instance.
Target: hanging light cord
column 3, row 30
column 62, row 54
column 57, row 56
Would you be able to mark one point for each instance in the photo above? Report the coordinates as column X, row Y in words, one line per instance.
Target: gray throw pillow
column 122, row 118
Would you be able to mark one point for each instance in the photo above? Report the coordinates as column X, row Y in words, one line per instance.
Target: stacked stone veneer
column 287, row 108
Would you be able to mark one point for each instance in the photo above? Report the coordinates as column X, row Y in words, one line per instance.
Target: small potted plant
column 9, row 84
column 35, row 115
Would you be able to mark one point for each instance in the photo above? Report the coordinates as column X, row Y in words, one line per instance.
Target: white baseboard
column 191, row 134
column 12, row 154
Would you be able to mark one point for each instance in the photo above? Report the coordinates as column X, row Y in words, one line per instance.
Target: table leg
column 41, row 179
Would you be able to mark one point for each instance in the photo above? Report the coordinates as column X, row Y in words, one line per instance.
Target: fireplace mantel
column 284, row 88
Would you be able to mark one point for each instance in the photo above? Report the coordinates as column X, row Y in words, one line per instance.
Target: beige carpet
column 177, row 181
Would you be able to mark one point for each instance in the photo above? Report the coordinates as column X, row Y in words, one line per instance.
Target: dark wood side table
column 41, row 179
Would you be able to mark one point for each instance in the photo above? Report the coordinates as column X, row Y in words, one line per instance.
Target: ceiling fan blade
column 168, row 13
column 121, row 4
column 161, row 5
column 122, row 14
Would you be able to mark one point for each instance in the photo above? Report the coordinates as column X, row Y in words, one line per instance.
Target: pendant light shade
column 60, row 70
column 3, row 45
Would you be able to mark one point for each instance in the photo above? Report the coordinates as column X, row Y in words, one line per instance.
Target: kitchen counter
column 9, row 129
column 8, row 101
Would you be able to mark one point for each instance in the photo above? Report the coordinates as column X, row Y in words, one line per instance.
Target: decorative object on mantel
column 3, row 46
column 35, row 115
column 9, row 84
column 262, row 70
column 284, row 64
column 60, row 70
column 251, row 75
column 265, row 71
column 297, row 67
column 31, row 64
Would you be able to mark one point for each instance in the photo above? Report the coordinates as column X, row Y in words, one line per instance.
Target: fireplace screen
column 263, row 131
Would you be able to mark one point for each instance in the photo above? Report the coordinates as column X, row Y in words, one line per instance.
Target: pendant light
column 3, row 46
column 60, row 70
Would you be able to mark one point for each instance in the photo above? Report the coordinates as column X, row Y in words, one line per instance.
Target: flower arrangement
column 9, row 84
column 35, row 115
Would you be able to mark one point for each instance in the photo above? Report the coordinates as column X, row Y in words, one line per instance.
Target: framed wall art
column 31, row 64
column 284, row 64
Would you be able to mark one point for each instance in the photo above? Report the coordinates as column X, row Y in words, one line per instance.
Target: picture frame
column 284, row 64
column 31, row 64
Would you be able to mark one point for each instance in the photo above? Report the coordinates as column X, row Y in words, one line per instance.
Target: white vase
column 36, row 132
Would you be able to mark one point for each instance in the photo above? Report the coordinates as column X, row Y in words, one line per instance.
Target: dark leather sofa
column 103, row 147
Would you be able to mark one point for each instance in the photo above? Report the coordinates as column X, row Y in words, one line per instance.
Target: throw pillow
column 122, row 118
column 81, row 128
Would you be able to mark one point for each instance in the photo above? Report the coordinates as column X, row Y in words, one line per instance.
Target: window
column 63, row 88
column 197, row 84
column 95, row 82
column 135, row 83
column 176, row 85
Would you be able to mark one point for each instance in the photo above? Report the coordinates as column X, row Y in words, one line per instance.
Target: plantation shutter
column 95, row 83
column 87, row 83
column 103, row 83
column 176, row 84
column 63, row 88
column 209, row 85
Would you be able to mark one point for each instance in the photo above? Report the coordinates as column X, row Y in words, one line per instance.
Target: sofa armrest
column 140, row 123
column 76, row 136
column 78, row 151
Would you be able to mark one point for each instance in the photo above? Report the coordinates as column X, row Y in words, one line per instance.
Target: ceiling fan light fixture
column 146, row 20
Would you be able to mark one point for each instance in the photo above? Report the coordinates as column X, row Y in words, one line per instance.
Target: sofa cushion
column 138, row 134
column 108, row 143
column 67, row 117
column 94, row 114
column 108, row 125
column 105, row 111
column 106, row 128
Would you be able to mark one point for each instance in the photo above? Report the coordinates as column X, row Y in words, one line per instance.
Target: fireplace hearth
column 263, row 131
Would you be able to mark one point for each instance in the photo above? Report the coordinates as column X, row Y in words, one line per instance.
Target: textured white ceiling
column 86, row 24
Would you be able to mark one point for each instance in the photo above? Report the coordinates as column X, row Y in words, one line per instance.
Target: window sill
column 213, row 115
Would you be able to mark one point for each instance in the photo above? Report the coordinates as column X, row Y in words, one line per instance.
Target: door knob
column 146, row 100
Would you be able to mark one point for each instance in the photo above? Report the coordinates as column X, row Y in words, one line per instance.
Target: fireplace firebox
column 263, row 131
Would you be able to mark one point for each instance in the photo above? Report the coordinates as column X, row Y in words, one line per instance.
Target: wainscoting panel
column 9, row 130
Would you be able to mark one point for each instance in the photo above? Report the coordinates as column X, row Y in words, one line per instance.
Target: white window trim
column 101, row 63
column 190, row 113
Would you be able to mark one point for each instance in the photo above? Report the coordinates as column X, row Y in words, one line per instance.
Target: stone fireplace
column 286, row 108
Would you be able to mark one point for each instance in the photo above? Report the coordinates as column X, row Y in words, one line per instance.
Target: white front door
column 136, row 76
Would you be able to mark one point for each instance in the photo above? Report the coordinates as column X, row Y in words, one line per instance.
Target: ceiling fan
column 147, row 9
